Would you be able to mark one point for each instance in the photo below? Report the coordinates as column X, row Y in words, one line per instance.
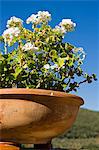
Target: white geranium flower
column 44, row 16
column 67, row 24
column 29, row 46
column 83, row 56
column 81, row 52
column 47, row 66
column 81, row 49
column 54, row 66
column 14, row 20
column 59, row 29
column 10, row 33
column 78, row 49
column 32, row 19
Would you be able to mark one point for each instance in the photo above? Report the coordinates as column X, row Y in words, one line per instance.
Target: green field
column 84, row 135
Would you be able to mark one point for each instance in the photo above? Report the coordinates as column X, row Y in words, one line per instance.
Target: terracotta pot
column 8, row 146
column 35, row 115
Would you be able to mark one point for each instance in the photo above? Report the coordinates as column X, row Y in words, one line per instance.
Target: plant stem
column 82, row 81
column 5, row 46
column 20, row 53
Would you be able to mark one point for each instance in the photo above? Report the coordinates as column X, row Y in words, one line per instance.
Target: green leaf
column 94, row 77
column 53, row 53
column 61, row 61
column 1, row 57
column 47, row 39
column 70, row 63
column 68, row 46
column 17, row 72
column 5, row 69
column 1, row 39
column 85, row 75
column 64, row 86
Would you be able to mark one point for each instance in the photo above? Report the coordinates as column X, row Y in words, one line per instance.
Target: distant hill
column 86, row 125
column 84, row 134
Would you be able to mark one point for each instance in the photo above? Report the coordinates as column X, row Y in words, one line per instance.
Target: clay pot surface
column 8, row 146
column 36, row 115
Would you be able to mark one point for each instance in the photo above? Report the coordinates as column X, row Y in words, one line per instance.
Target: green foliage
column 75, row 144
column 40, row 58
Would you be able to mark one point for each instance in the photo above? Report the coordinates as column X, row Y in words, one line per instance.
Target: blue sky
column 86, row 35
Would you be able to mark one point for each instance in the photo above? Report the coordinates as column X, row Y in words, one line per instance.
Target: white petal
column 47, row 66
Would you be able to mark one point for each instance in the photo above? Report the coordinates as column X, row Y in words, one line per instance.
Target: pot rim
column 40, row 92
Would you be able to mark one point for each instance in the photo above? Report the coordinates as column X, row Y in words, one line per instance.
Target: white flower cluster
column 40, row 17
column 81, row 53
column 14, row 20
column 78, row 49
column 67, row 24
column 29, row 46
column 13, row 29
column 47, row 66
column 59, row 29
column 10, row 33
